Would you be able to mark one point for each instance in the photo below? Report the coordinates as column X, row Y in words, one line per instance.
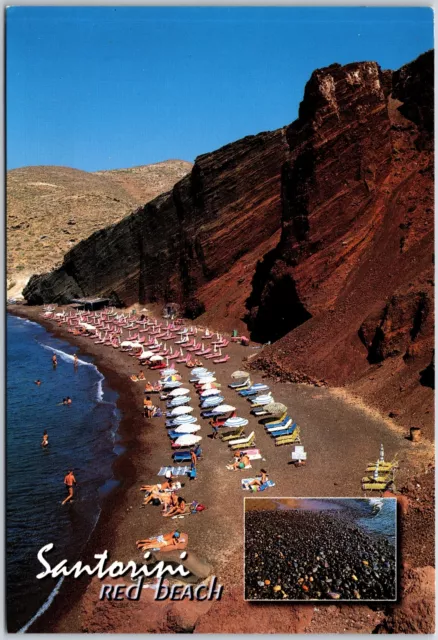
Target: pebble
column 289, row 544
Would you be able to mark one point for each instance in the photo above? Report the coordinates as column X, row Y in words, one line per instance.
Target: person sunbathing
column 190, row 363
column 259, row 480
column 178, row 510
column 147, row 407
column 148, row 387
column 157, row 487
column 134, row 378
column 170, row 503
column 166, row 540
column 141, row 376
column 241, row 462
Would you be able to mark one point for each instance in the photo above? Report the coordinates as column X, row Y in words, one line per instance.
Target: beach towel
column 265, row 485
column 175, row 471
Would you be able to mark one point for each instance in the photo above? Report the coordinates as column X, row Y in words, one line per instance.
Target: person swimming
column 54, row 361
column 37, row 382
column 75, row 360
column 69, row 400
column 45, row 440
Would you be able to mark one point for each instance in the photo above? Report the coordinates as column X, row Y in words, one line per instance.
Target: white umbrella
column 179, row 411
column 210, row 392
column 207, row 379
column 223, row 408
column 136, row 345
column 179, row 392
column 145, row 355
column 168, row 372
column 187, row 440
column 89, row 327
column 156, row 358
column 199, row 371
column 187, row 428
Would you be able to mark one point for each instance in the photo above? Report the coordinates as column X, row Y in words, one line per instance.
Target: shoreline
column 217, row 533
column 123, row 471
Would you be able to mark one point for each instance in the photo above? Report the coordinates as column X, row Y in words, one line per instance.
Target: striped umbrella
column 236, row 422
column 179, row 411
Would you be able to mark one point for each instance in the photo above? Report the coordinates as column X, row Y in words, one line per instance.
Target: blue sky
column 107, row 87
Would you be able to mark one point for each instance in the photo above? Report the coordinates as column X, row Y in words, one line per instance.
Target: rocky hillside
column 50, row 209
column 348, row 292
column 319, row 236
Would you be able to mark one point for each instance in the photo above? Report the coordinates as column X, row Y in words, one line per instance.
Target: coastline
column 219, row 529
column 124, row 472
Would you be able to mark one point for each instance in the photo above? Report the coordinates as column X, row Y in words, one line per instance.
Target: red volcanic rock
column 416, row 611
column 232, row 614
column 227, row 207
column 350, row 284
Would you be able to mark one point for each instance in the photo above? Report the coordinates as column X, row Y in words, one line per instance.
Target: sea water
column 82, row 437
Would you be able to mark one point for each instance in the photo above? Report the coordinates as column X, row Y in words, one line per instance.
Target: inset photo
column 325, row 549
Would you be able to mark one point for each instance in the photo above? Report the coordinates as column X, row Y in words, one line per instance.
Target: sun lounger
column 232, row 435
column 240, row 385
column 247, row 442
column 375, row 486
column 284, row 432
column 381, row 478
column 222, row 359
column 277, row 422
column 285, row 425
column 293, row 438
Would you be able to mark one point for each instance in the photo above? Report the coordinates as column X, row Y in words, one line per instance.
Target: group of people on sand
column 165, row 495
column 140, row 376
column 149, row 409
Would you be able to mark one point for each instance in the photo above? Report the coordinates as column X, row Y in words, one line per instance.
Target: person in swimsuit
column 178, row 510
column 45, row 440
column 141, row 376
column 68, row 400
column 241, row 462
column 75, row 360
column 54, row 361
column 165, row 540
column 69, row 482
column 147, row 407
column 37, row 382
column 261, row 479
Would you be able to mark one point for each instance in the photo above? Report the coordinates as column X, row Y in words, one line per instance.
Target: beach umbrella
column 197, row 370
column 145, row 355
column 223, row 408
column 184, row 420
column 156, row 358
column 212, row 402
column 236, row 422
column 89, row 327
column 169, row 372
column 179, row 411
column 276, row 408
column 180, row 400
column 179, row 392
column 207, row 379
column 240, row 374
column 136, row 345
column 210, row 392
column 187, row 440
column 187, row 428
column 170, row 378
column 172, row 385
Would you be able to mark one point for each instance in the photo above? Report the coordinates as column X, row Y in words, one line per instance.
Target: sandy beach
column 340, row 437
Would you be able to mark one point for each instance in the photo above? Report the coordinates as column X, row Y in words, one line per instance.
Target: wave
column 44, row 606
column 67, row 357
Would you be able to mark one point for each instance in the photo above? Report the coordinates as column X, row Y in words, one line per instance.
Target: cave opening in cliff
column 279, row 312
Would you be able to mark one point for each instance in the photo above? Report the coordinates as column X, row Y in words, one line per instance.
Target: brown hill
column 50, row 209
column 339, row 203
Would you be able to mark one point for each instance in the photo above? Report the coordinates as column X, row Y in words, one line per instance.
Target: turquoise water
column 81, row 436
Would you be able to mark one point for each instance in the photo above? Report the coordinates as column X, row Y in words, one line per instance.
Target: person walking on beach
column 69, row 482
column 75, row 360
column 54, row 361
column 215, row 433
column 45, row 440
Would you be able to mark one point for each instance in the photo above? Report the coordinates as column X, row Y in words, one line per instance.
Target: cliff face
column 227, row 207
column 339, row 206
column 348, row 292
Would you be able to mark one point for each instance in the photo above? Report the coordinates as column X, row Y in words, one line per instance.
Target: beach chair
column 277, row 422
column 239, row 386
column 385, row 478
column 284, row 432
column 376, row 486
column 247, row 442
column 233, row 434
column 383, row 466
column 260, row 412
column 254, row 389
column 274, row 431
column 292, row 438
